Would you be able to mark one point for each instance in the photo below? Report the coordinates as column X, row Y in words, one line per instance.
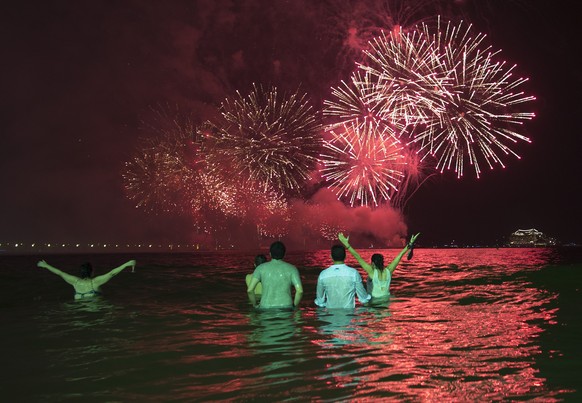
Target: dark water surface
column 462, row 325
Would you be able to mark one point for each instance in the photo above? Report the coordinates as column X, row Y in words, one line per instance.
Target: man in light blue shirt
column 277, row 277
column 338, row 285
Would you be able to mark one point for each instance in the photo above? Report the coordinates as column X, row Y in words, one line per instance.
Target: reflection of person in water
column 273, row 328
column 275, row 336
column 379, row 276
column 86, row 286
column 259, row 260
column 341, row 327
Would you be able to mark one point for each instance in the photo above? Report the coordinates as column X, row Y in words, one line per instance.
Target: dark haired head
column 338, row 253
column 277, row 250
column 86, row 270
column 260, row 259
column 378, row 261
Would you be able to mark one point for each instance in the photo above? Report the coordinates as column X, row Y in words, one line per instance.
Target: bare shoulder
column 291, row 266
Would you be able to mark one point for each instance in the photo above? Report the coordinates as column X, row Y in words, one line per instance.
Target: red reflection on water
column 463, row 325
column 468, row 333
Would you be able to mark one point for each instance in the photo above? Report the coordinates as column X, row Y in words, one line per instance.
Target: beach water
column 462, row 325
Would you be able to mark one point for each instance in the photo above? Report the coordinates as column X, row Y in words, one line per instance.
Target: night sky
column 80, row 78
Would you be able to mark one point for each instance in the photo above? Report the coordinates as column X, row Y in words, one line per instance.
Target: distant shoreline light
column 21, row 248
column 53, row 246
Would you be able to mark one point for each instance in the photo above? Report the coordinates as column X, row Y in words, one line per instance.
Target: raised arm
column 67, row 277
column 100, row 280
column 346, row 242
column 392, row 266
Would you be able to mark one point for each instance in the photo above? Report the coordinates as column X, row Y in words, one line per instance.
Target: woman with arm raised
column 379, row 276
column 85, row 285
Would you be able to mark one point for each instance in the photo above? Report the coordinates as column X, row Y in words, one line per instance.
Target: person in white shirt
column 338, row 285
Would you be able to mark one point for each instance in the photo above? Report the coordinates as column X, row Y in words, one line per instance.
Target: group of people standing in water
column 269, row 286
column 337, row 286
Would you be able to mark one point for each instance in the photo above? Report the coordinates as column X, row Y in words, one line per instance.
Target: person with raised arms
column 379, row 276
column 85, row 285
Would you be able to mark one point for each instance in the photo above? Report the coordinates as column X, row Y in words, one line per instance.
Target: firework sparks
column 361, row 167
column 273, row 215
column 424, row 96
column 163, row 174
column 159, row 180
column 457, row 102
column 408, row 76
column 268, row 138
column 358, row 103
column 483, row 104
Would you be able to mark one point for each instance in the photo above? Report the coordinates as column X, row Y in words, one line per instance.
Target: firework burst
column 268, row 138
column 362, row 168
column 163, row 175
column 273, row 215
column 457, row 102
column 483, row 103
column 357, row 103
column 409, row 81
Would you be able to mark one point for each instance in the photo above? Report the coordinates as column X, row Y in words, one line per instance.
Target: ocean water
column 462, row 325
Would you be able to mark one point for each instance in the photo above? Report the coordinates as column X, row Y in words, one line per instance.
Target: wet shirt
column 379, row 288
column 277, row 277
column 337, row 287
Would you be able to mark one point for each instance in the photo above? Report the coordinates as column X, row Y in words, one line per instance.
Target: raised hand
column 411, row 246
column 343, row 239
column 132, row 263
column 413, row 238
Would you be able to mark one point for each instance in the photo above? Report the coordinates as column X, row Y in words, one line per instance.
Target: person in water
column 277, row 278
column 338, row 285
column 85, row 285
column 259, row 260
column 379, row 276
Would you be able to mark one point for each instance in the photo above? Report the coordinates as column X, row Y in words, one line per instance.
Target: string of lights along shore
column 425, row 98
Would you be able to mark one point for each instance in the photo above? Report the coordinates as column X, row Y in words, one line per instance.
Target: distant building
column 530, row 237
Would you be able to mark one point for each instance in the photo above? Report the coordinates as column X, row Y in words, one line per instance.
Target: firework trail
column 416, row 172
column 267, row 138
column 361, row 167
column 457, row 102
